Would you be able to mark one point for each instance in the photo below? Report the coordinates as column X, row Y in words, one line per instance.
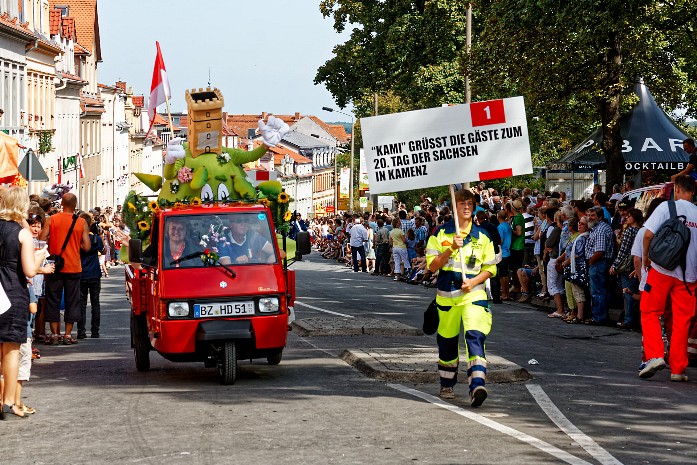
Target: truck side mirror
column 135, row 251
column 302, row 243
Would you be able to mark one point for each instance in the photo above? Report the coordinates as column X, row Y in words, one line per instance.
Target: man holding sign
column 462, row 298
column 448, row 145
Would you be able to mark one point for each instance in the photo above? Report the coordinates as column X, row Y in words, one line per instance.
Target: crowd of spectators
column 582, row 255
column 52, row 260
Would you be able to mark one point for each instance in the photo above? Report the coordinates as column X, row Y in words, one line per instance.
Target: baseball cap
column 625, row 204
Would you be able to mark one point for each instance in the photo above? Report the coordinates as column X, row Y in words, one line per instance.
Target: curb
column 332, row 326
column 370, row 364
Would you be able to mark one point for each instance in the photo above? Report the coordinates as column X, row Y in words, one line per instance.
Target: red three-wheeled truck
column 212, row 286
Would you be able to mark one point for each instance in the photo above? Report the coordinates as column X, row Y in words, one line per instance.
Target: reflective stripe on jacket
column 478, row 253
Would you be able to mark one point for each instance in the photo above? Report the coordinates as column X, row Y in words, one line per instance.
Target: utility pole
column 468, row 44
column 374, row 197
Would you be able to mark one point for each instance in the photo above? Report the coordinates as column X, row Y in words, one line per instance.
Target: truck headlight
column 178, row 309
column 268, row 305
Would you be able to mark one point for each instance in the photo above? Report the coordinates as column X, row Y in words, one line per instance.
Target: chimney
column 251, row 133
column 263, row 115
column 297, row 116
column 121, row 85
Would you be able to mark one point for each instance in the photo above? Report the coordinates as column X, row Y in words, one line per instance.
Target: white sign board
column 447, row 145
column 363, row 178
column 385, row 201
column 344, row 183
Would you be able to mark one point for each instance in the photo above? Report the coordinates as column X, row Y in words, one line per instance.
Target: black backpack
column 669, row 245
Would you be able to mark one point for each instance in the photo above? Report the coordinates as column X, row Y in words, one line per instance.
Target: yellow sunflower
column 196, row 202
column 283, row 197
column 178, row 205
column 143, row 225
column 153, row 205
column 287, row 215
column 263, row 202
column 131, row 207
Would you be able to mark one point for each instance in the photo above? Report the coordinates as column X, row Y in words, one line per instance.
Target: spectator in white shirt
column 359, row 236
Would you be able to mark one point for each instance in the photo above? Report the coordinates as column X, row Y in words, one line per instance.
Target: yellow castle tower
column 205, row 120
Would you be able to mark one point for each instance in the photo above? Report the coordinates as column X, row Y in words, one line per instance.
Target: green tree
column 575, row 62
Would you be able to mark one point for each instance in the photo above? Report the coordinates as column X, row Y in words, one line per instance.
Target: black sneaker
column 95, row 335
column 81, row 335
column 478, row 396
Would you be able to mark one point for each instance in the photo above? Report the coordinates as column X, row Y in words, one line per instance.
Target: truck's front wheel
column 227, row 364
column 140, row 342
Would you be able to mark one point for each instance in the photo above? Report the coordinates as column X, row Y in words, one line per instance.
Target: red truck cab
column 212, row 286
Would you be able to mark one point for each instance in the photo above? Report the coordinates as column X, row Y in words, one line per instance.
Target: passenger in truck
column 246, row 244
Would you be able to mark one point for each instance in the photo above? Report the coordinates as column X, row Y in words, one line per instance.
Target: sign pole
column 457, row 229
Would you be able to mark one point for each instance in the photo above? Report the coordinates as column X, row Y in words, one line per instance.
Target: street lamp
column 351, row 168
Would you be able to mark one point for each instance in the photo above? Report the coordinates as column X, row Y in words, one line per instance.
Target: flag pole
column 169, row 116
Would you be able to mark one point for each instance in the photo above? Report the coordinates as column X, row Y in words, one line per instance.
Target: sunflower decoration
column 196, row 202
column 137, row 214
column 264, row 202
column 283, row 197
column 287, row 215
column 178, row 205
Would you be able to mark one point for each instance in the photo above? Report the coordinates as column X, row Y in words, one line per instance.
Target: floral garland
column 137, row 212
column 278, row 204
column 209, row 258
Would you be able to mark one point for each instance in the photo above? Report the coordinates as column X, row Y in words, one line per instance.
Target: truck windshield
column 233, row 238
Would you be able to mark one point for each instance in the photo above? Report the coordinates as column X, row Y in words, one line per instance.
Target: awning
column 652, row 141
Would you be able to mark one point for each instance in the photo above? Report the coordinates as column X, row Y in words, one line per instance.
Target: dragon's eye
column 206, row 193
column 223, row 193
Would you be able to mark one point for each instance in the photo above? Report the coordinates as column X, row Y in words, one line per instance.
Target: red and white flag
column 159, row 89
column 79, row 166
column 60, row 170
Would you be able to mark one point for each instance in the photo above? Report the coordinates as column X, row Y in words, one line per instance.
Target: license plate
column 223, row 309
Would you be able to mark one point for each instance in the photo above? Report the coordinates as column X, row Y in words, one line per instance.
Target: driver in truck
column 175, row 247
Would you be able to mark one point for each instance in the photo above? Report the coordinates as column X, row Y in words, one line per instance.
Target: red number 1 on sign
column 485, row 113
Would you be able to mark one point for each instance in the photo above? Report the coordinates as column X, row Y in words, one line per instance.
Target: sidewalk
column 414, row 365
column 405, row 363
column 613, row 314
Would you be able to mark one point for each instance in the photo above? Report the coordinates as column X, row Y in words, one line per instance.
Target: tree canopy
column 575, row 63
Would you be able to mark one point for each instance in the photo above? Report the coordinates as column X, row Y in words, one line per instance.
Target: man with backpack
column 672, row 259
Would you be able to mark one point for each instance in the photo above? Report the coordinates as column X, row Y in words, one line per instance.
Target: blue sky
column 263, row 54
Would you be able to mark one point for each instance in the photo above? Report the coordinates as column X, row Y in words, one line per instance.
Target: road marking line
column 322, row 310
column 539, row 444
column 554, row 414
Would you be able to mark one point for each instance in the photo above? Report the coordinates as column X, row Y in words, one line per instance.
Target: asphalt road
column 94, row 407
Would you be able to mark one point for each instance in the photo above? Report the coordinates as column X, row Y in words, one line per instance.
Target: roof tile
column 14, row 25
column 54, row 21
column 86, row 23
